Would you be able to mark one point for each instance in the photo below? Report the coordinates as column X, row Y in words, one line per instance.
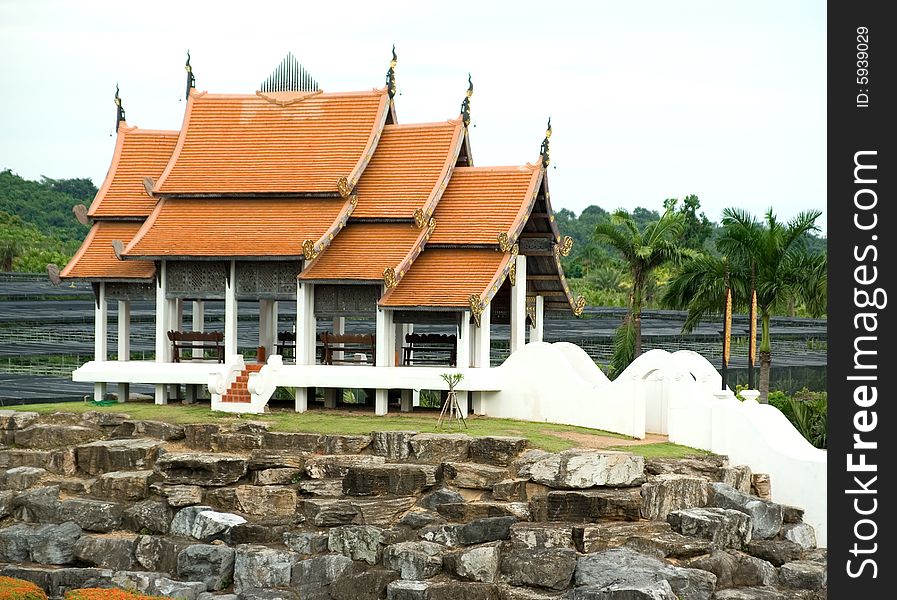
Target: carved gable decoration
column 343, row 300
column 199, row 279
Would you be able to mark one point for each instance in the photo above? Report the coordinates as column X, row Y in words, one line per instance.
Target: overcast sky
column 648, row 100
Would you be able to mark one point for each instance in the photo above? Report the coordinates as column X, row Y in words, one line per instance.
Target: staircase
column 238, row 390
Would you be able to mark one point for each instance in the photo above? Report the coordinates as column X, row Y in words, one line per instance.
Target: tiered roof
column 96, row 258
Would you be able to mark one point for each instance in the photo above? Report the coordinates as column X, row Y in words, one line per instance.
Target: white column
column 385, row 353
column 265, row 324
column 537, row 329
column 272, row 335
column 463, row 351
column 339, row 328
column 380, row 402
column 518, row 306
column 483, row 345
column 100, row 336
column 198, row 318
column 230, row 313
column 124, row 342
column 177, row 315
column 301, row 399
column 462, row 398
column 163, row 346
column 306, row 327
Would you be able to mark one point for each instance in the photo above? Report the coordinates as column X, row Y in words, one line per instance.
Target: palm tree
column 769, row 253
column 656, row 244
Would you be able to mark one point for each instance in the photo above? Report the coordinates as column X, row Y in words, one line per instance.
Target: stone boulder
column 112, row 551
column 148, row 515
column 52, row 544
column 276, row 459
column 803, row 575
column 294, row 442
column 117, row 455
column 388, row 479
column 541, row 535
column 178, row 496
column 199, row 436
column 479, row 563
column 473, row 475
column 649, row 537
column 92, row 515
column 10, row 420
column 358, row 542
column 6, row 497
column 392, row 445
column 361, row 583
column 43, row 436
column 496, row 450
column 323, row 488
column 344, row 443
column 548, row 568
column 801, row 534
column 436, row 448
column 777, row 552
column 159, row 430
column 414, row 560
column 211, row 564
column 158, row 584
column 766, row 516
column 432, row 500
column 739, row 477
column 469, row 511
column 266, row 501
column 337, row 465
column 313, row 577
column 669, row 492
column 123, row 485
column 708, row 466
column 193, row 468
column 590, row 505
column 259, row 567
column 203, row 523
column 580, row 469
column 277, row 476
column 511, row 490
column 37, row 505
column 21, row 478
column 725, row 528
column 306, row 542
column 158, row 553
column 382, row 511
column 408, row 590
column 611, row 569
column 736, row 569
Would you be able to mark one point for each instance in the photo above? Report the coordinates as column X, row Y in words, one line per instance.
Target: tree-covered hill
column 46, row 204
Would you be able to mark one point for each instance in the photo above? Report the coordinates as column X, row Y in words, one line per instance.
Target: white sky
column 648, row 99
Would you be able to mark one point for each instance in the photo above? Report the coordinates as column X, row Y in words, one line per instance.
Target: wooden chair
column 349, row 345
column 430, row 349
column 196, row 340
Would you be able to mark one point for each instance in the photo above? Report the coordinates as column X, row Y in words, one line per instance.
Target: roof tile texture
column 362, row 250
column 96, row 259
column 138, row 154
column 245, row 144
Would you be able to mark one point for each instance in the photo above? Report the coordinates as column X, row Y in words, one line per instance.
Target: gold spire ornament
column 391, row 74
column 546, row 160
column 465, row 104
column 191, row 80
column 120, row 111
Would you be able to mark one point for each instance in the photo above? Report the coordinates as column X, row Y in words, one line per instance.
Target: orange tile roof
column 447, row 277
column 482, row 202
column 95, row 258
column 274, row 143
column 138, row 153
column 409, row 169
column 363, row 250
column 238, row 227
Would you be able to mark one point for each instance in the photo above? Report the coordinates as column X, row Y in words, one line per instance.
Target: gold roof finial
column 191, row 80
column 120, row 111
column 545, row 152
column 391, row 74
column 465, row 104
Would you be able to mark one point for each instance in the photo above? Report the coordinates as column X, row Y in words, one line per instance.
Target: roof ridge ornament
column 191, row 80
column 391, row 74
column 120, row 111
column 290, row 76
column 544, row 150
column 477, row 307
column 465, row 104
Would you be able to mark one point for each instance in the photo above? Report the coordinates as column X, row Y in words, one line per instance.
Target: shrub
column 111, row 594
column 19, row 589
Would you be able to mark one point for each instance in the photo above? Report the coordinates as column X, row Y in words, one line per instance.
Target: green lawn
column 547, row 436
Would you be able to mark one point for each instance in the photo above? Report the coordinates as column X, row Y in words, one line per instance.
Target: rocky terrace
column 237, row 511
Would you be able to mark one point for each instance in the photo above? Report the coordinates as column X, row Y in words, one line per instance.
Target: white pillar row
column 163, row 346
column 230, row 313
column 462, row 353
column 265, row 324
column 518, row 306
column 124, row 342
column 483, row 344
column 198, row 322
column 177, row 315
column 339, row 328
column 272, row 335
column 537, row 329
column 385, row 351
column 306, row 327
column 100, row 336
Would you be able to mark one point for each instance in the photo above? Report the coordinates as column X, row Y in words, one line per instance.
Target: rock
column 312, row 577
column 52, row 544
column 484, row 530
column 649, row 537
column 541, row 535
column 325, row 488
column 358, row 542
column 362, row 584
column 201, row 469
column 801, row 534
column 179, row 495
column 666, row 493
column 513, row 490
column 725, row 528
column 211, row 564
column 548, row 568
column 117, row 455
column 62, row 462
column 473, row 475
column 211, row 596
column 761, row 486
column 6, row 497
column 21, row 478
column 736, row 569
column 447, row 535
column 182, row 523
column 628, row 590
column 739, row 477
column 303, row 542
column 266, row 500
column 436, row 448
column 59, row 580
column 344, row 444
column 70, row 485
column 10, row 420
column 222, row 498
column 37, row 505
column 766, row 516
column 156, row 553
column 199, row 436
column 277, row 476
column 92, row 515
column 103, row 419
column 479, row 563
column 388, row 479
column 210, row 525
column 819, row 555
column 709, row 466
column 509, row 592
column 461, row 590
column 295, row 442
column 754, row 593
column 590, row 505
column 266, row 595
column 148, row 516
column 19, row 457
column 109, row 551
column 236, row 442
column 149, row 429
column 44, row 436
column 414, row 560
column 468, row 511
column 276, row 459
column 803, row 575
column 580, row 469
column 496, row 450
column 610, row 569
column 382, row 512
column 327, row 466
column 432, row 500
column 258, row 567
column 259, row 533
column 122, row 485
column 792, row 514
column 392, row 445
column 408, row 590
column 778, row 552
column 185, row 590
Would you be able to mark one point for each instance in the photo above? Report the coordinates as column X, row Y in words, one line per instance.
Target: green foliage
column 47, row 204
column 624, row 348
column 24, row 248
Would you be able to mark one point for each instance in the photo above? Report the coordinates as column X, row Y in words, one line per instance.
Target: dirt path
column 586, row 440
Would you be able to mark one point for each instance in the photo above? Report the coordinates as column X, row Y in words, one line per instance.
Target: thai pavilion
column 293, row 194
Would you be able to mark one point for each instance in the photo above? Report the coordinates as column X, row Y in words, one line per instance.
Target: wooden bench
column 196, row 340
column 286, row 342
column 349, row 345
column 430, row 349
